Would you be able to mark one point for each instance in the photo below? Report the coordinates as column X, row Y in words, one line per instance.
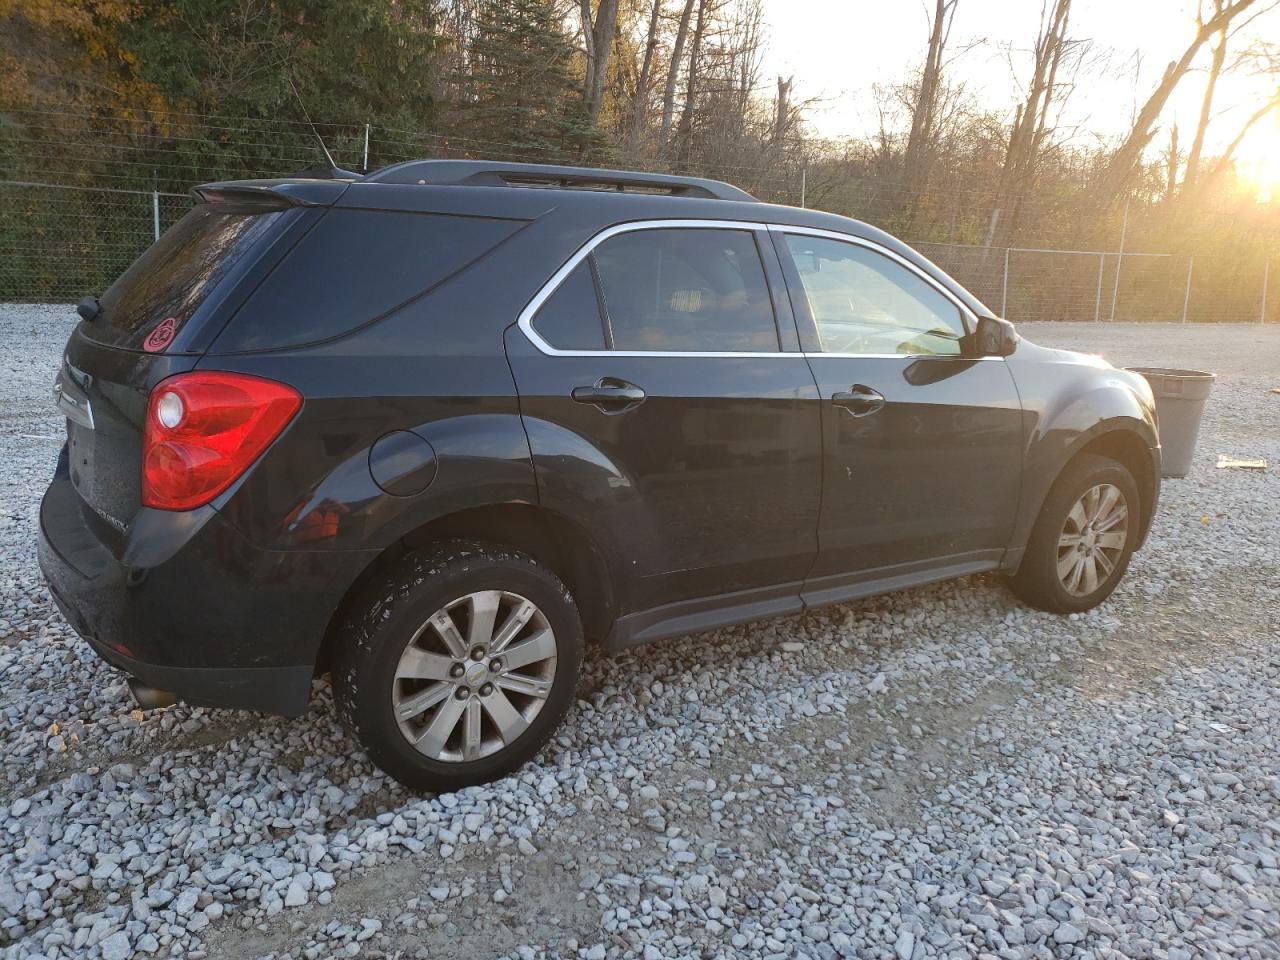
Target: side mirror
column 995, row 337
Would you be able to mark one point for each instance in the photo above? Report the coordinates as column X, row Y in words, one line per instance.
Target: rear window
column 355, row 266
column 176, row 274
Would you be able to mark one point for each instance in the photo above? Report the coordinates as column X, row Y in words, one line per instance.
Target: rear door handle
column 859, row 400
column 610, row 395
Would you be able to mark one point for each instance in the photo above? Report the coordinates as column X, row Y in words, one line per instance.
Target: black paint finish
column 673, row 493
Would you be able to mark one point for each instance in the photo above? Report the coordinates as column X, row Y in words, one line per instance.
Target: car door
column 672, row 416
column 922, row 442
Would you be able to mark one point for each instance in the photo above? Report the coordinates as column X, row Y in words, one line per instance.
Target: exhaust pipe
column 149, row 698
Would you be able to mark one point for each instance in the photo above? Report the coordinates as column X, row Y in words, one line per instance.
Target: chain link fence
column 59, row 243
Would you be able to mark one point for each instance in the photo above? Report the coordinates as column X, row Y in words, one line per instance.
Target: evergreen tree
column 524, row 93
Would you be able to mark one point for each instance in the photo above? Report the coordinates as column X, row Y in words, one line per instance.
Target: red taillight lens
column 203, row 430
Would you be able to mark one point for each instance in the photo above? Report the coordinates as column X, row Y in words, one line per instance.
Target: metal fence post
column 1266, row 270
column 365, row 167
column 1004, row 287
column 1186, row 297
column 1097, row 299
column 155, row 214
column 1115, row 289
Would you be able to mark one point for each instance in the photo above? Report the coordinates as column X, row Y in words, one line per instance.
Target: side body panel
column 930, row 479
column 708, row 487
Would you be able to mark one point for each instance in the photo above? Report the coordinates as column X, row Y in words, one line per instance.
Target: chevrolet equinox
column 434, row 429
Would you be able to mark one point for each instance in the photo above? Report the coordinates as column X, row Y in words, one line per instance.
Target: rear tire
column 1080, row 546
column 456, row 667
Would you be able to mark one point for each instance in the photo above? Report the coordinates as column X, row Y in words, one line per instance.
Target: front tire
column 1080, row 546
column 456, row 667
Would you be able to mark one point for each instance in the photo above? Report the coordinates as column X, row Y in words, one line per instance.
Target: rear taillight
column 204, row 429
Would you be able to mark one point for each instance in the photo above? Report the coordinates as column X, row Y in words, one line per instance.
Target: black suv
column 434, row 428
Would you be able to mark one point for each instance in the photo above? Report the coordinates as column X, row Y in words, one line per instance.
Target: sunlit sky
column 837, row 49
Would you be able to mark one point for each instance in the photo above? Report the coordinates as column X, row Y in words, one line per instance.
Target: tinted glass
column 863, row 302
column 570, row 318
column 686, row 290
column 176, row 273
column 353, row 267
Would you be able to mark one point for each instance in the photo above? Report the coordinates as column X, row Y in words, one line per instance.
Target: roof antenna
column 331, row 171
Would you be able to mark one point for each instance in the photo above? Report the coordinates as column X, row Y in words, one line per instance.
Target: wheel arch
column 551, row 538
column 1127, row 440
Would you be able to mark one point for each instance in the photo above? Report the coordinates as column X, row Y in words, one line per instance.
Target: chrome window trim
column 525, row 320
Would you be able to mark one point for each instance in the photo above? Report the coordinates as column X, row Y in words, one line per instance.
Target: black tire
column 379, row 624
column 1037, row 581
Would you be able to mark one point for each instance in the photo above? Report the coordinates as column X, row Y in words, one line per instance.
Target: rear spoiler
column 257, row 195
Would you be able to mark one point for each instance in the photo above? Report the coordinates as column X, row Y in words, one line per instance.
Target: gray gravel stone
column 940, row 773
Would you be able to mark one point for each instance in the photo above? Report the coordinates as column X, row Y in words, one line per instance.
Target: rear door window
column 176, row 274
column 353, row 267
column 684, row 290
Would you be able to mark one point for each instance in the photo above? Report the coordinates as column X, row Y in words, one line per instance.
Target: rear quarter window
column 356, row 266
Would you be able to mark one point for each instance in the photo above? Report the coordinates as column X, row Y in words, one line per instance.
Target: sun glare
column 1259, row 161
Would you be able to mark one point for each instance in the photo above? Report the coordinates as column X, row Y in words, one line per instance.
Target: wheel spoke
column 512, row 626
column 1118, row 515
column 471, row 730
column 410, row 707
column 1108, row 497
column 437, row 732
column 509, row 721
column 1077, row 515
column 484, row 611
column 1066, row 563
column 447, row 630
column 530, row 686
column 1077, row 572
column 1106, row 563
column 1113, row 540
column 417, row 664
column 540, row 646
column 1090, row 574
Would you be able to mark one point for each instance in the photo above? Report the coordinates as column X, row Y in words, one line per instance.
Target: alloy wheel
column 474, row 676
column 1092, row 540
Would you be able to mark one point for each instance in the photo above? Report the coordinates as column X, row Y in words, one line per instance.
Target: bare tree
column 598, row 34
column 1125, row 161
column 924, row 114
column 684, row 131
column 673, row 74
column 640, row 98
column 782, row 109
column 1031, row 122
column 1206, row 102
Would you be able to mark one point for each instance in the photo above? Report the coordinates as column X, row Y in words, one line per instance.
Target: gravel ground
column 938, row 773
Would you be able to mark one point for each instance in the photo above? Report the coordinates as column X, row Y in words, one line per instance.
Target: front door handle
column 859, row 400
column 610, row 395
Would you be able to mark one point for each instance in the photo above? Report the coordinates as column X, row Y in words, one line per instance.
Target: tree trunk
column 599, row 46
column 1206, row 105
column 1031, row 121
column 684, row 132
column 673, row 74
column 1124, row 162
column 782, row 110
column 923, row 113
column 640, row 101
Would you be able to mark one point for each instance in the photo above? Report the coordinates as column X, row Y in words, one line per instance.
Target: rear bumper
column 185, row 603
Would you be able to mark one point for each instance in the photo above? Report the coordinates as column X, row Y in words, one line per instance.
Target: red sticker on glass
column 161, row 336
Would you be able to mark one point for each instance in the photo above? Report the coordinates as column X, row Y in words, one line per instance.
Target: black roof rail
column 490, row 173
